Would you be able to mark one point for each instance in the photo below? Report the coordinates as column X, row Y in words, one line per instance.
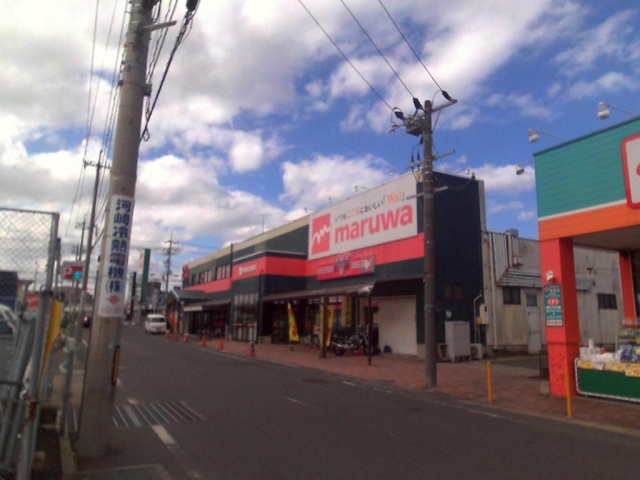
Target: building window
column 223, row 271
column 607, row 301
column 453, row 292
column 511, row 295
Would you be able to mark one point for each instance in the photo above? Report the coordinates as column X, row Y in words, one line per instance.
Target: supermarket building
column 359, row 261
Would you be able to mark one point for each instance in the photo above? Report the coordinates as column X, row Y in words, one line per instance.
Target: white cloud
column 314, row 183
column 609, row 82
column 503, row 179
column 613, row 38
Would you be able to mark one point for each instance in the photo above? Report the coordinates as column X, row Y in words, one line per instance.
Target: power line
column 407, row 42
column 377, row 48
column 159, row 42
column 344, row 55
column 185, row 28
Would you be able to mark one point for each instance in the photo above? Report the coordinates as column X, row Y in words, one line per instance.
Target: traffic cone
column 204, row 340
column 176, row 336
column 252, row 350
column 186, row 338
column 166, row 334
column 221, row 344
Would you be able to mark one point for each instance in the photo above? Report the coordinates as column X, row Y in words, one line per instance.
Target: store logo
column 373, row 225
column 321, row 234
column 631, row 165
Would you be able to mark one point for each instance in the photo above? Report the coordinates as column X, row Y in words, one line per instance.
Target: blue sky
column 261, row 119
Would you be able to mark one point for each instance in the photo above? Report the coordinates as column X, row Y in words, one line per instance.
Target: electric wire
column 344, row 55
column 78, row 192
column 409, row 44
column 185, row 29
column 377, row 48
column 158, row 43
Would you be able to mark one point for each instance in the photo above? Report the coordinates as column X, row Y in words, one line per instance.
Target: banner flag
column 330, row 315
column 293, row 328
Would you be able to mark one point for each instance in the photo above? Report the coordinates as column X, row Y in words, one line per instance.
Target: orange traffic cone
column 252, row 350
column 221, row 344
column 204, row 340
column 186, row 338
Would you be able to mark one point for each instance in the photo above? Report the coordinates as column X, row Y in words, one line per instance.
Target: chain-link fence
column 28, row 253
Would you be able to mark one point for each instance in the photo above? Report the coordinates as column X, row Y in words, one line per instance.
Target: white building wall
column 515, row 262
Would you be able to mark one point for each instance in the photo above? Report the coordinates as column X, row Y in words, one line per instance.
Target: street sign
column 553, row 305
column 72, row 270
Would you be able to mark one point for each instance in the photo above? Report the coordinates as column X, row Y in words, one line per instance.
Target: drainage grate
column 154, row 413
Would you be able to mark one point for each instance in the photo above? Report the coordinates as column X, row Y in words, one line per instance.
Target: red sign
column 72, row 270
column 631, row 163
column 33, row 300
column 346, row 266
column 321, row 234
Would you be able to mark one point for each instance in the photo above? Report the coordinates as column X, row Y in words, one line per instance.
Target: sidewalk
column 516, row 387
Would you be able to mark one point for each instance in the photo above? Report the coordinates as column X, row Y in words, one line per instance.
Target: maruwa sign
column 380, row 215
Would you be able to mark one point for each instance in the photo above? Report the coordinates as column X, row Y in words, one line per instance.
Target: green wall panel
column 583, row 173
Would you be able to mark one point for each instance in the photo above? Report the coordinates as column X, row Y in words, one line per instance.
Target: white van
column 155, row 323
column 8, row 321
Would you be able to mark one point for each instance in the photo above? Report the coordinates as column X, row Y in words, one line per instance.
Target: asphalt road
column 252, row 419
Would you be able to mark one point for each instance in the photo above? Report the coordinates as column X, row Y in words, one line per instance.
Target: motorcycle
column 341, row 344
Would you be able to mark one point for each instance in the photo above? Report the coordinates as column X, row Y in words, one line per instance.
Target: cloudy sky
column 261, row 118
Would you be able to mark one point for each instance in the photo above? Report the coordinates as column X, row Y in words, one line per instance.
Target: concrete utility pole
column 171, row 250
column 104, row 348
column 428, row 214
column 421, row 125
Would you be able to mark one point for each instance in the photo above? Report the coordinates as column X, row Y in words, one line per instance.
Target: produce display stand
column 611, row 376
column 616, row 380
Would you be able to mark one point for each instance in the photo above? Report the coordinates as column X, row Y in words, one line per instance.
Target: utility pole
column 169, row 251
column 428, row 220
column 104, row 348
column 89, row 250
column 421, row 125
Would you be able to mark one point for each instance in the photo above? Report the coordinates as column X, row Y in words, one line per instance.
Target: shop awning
column 363, row 289
column 199, row 307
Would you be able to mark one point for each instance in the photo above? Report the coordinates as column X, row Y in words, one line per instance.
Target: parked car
column 155, row 323
column 8, row 321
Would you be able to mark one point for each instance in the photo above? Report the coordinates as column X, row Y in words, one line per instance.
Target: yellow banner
column 293, row 328
column 330, row 315
column 54, row 328
column 347, row 313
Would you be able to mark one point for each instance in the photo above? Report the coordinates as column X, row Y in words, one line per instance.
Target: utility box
column 458, row 340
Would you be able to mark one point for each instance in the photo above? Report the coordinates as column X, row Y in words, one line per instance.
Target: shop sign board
column 631, row 165
column 553, row 305
column 380, row 215
column 346, row 266
column 72, row 270
column 116, row 256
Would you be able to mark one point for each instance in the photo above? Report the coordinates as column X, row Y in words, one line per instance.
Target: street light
column 420, row 125
column 520, row 167
column 534, row 135
column 604, row 112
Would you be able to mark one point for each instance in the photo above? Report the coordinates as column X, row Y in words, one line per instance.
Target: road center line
column 293, row 400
